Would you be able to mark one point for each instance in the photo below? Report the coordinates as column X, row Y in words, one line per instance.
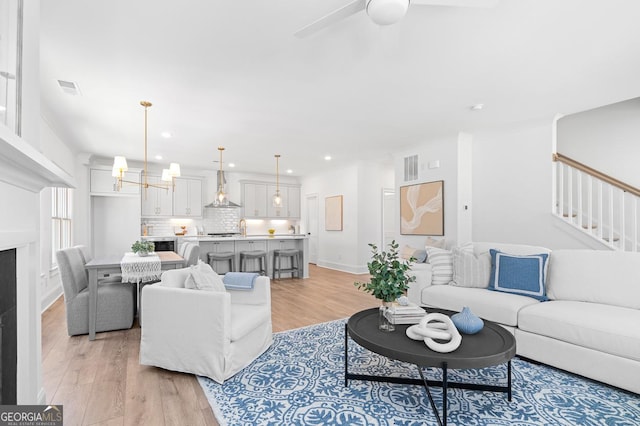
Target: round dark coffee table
column 493, row 345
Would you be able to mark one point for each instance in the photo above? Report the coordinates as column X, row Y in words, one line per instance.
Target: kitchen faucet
column 242, row 227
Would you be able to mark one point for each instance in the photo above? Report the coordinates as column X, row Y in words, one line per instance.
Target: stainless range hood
column 213, row 205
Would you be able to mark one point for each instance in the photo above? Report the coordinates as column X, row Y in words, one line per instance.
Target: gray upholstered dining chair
column 116, row 301
column 191, row 254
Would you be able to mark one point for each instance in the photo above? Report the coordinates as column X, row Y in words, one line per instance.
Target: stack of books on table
column 409, row 314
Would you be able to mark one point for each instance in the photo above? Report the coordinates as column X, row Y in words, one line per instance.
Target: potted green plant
column 143, row 248
column 389, row 278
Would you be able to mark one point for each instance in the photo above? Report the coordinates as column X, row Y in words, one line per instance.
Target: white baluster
column 622, row 233
column 579, row 201
column 570, row 196
column 610, row 214
column 600, row 217
column 560, row 188
column 590, row 205
column 635, row 225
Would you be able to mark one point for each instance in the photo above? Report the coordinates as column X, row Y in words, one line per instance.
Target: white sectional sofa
column 589, row 326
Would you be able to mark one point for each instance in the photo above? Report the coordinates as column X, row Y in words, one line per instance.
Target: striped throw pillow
column 441, row 265
column 470, row 270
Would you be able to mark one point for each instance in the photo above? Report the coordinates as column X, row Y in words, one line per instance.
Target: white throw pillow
column 202, row 277
column 441, row 265
column 470, row 270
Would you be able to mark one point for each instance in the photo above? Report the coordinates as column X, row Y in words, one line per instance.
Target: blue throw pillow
column 519, row 274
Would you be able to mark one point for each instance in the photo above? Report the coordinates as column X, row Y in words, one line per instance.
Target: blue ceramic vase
column 467, row 322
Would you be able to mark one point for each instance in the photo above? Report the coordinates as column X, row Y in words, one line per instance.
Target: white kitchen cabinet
column 103, row 183
column 250, row 245
column 156, row 201
column 290, row 207
column 187, row 197
column 293, row 202
column 254, row 200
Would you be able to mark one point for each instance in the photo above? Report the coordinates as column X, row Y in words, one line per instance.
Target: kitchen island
column 268, row 243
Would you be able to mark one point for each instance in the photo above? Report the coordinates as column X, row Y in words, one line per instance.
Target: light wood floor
column 102, row 383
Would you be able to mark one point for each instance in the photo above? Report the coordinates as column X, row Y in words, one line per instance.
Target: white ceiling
column 231, row 73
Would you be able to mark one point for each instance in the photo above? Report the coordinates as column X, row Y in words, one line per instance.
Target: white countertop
column 240, row 238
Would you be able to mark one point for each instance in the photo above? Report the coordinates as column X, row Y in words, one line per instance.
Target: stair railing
column 597, row 204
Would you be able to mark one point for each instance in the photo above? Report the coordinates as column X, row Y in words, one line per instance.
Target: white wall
column 512, row 189
column 605, row 138
column 52, row 147
column 445, row 151
column 360, row 185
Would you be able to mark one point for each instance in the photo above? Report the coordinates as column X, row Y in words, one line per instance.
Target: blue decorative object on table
column 467, row 322
column 403, row 301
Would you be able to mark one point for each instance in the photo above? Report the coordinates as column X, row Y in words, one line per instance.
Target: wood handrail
column 597, row 174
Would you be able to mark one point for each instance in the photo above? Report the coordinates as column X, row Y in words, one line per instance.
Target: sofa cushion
column 499, row 307
column 246, row 318
column 441, row 265
column 469, row 269
column 519, row 274
column 599, row 276
column 596, row 326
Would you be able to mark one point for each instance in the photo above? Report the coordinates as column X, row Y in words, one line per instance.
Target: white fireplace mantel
column 25, row 167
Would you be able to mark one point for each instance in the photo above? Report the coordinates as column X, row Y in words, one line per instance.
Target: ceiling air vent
column 69, row 87
column 411, row 168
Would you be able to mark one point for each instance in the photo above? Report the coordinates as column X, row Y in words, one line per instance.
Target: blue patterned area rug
column 300, row 381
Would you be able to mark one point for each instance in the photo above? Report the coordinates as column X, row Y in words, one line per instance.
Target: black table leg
column 444, row 393
column 346, row 357
column 509, row 381
column 431, row 401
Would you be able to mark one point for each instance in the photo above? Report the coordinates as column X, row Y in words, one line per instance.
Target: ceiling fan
column 384, row 12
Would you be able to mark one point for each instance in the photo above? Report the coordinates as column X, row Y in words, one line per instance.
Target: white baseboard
column 51, row 296
column 352, row 269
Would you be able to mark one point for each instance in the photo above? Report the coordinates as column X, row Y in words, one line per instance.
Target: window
column 60, row 220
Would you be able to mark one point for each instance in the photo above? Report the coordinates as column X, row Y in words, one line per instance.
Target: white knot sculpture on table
column 436, row 326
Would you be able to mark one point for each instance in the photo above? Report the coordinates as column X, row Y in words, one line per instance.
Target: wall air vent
column 411, row 168
column 69, row 87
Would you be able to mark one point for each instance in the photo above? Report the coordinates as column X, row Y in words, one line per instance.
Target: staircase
column 596, row 204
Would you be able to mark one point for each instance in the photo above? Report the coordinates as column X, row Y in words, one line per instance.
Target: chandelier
column 120, row 166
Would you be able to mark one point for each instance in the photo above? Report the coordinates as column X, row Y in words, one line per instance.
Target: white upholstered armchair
column 209, row 333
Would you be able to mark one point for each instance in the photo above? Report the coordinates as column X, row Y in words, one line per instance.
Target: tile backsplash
column 216, row 221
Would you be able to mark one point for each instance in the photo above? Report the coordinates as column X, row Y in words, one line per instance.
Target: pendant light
column 221, row 197
column 120, row 166
column 277, row 198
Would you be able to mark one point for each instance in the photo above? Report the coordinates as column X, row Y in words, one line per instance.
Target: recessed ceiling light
column 289, row 171
column 158, row 157
column 232, row 164
column 166, row 135
column 477, row 107
column 327, row 157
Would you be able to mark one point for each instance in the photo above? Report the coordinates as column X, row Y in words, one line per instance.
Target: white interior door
column 312, row 227
column 388, row 216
